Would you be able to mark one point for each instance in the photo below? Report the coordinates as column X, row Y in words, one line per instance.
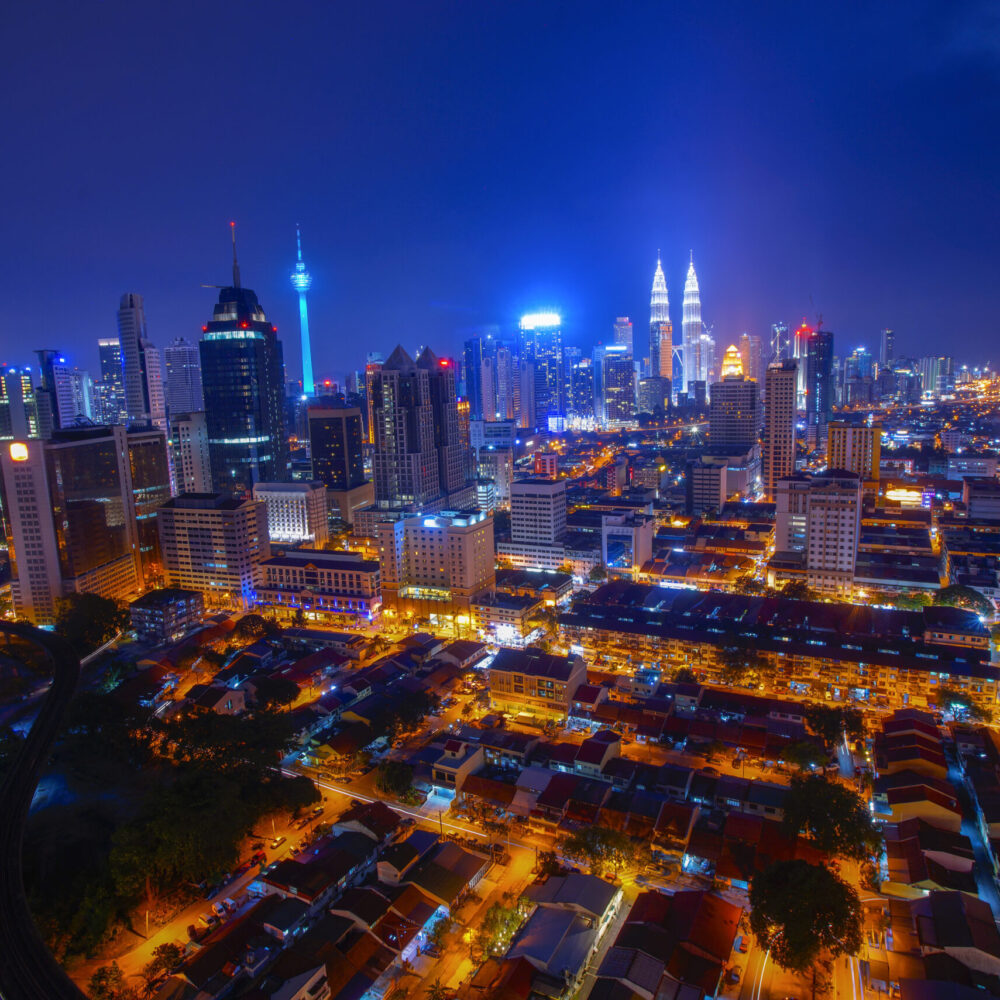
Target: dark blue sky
column 461, row 163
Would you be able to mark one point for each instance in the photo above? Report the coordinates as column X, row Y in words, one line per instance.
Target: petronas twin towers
column 691, row 359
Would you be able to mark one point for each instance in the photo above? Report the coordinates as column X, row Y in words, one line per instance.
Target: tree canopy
column 961, row 704
column 394, row 777
column 832, row 816
column 600, row 847
column 958, row 596
column 87, row 621
column 797, row 590
column 800, row 911
column 830, row 722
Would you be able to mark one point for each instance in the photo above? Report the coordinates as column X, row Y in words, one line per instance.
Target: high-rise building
column 141, row 366
column 780, row 346
column 302, row 282
column 937, row 375
column 243, row 376
column 505, row 383
column 525, row 385
column 71, row 506
column 373, row 365
column 664, row 358
column 473, row 354
column 537, row 524
column 419, row 454
column 752, row 356
column 819, row 385
column 778, row 458
column 147, row 452
column 819, row 517
column 18, row 405
column 542, row 347
column 887, row 349
column 856, row 448
column 182, row 361
column 692, row 330
column 189, row 450
column 800, row 348
column 617, row 384
column 336, row 443
column 733, row 415
column 581, row 388
column 296, row 512
column 214, row 543
column 109, row 390
column 67, row 391
column 653, row 395
column 435, row 565
column 623, row 334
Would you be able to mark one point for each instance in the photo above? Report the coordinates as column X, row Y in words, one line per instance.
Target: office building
column 109, row 390
column 147, row 451
column 214, row 543
column 243, row 375
column 817, row 525
column 778, row 457
column 581, row 389
column 800, row 349
column 68, row 391
column 18, row 405
column 819, row 385
column 541, row 350
column 141, row 366
column 302, row 282
column 164, row 615
column 434, row 565
column 189, row 451
column 537, row 524
column 473, row 359
column 71, row 519
column 781, row 348
column 752, row 356
column 296, row 512
column 653, row 395
column 505, row 383
column 937, row 375
column 623, row 334
column 661, row 347
column 336, row 444
column 734, row 415
column 419, row 456
column 617, row 385
column 340, row 588
column 887, row 349
column 856, row 448
column 692, row 331
column 182, row 361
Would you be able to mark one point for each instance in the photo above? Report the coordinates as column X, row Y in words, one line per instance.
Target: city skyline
column 477, row 262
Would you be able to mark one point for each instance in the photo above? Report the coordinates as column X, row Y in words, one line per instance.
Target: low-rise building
column 166, row 614
column 531, row 681
column 324, row 585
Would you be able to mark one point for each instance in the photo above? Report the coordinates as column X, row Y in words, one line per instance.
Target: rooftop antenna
column 236, row 266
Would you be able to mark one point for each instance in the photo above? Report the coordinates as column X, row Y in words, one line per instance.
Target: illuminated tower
column 692, row 328
column 302, row 282
column 660, row 330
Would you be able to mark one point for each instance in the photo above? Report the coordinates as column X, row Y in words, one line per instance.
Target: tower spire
column 298, row 241
column 236, row 266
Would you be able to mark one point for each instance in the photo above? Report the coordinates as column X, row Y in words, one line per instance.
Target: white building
column 820, row 518
column 296, row 512
column 182, row 361
column 537, row 524
column 189, row 453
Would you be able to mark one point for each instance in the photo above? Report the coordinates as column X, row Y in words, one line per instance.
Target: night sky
column 455, row 164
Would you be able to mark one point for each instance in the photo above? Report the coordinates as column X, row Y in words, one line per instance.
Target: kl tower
column 302, row 282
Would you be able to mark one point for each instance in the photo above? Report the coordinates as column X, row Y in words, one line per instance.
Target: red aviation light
column 244, row 324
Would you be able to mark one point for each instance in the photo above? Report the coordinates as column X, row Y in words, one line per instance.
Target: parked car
column 219, row 909
column 317, row 811
column 259, row 857
column 277, row 842
column 208, row 920
column 742, row 945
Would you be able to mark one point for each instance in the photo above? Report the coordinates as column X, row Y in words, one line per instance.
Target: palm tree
column 436, row 991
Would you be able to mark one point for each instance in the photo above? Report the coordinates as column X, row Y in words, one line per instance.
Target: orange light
column 18, row 452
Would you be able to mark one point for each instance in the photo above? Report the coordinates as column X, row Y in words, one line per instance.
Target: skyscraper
column 819, row 385
column 623, row 333
column 856, row 448
column 887, row 352
column 183, row 363
column 733, row 410
column 452, row 447
column 780, row 347
column 302, row 282
column 243, row 374
column 692, row 330
column 617, row 384
column 752, row 355
column 778, row 457
column 142, row 373
column 800, row 348
column 69, row 391
column 541, row 346
column 109, row 390
column 336, row 443
column 18, row 404
column 190, row 455
column 662, row 357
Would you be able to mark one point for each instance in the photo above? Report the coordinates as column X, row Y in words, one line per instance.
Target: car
column 734, row 974
column 736, row 762
column 742, row 945
column 356, row 802
column 317, row 811
column 208, row 920
column 277, row 842
column 219, row 909
column 710, row 771
column 300, row 824
column 259, row 857
column 407, row 821
column 296, row 850
column 347, row 780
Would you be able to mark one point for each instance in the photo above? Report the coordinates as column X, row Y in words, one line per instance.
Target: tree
column 684, row 675
column 963, row 597
column 797, row 590
column 830, row 722
column 167, row 956
column 801, row 911
column 961, row 705
column 600, row 848
column 87, row 621
column 108, row 983
column 803, row 755
column 250, row 627
column 834, row 817
column 394, row 777
column 275, row 691
column 597, row 574
column 436, row 991
column 741, row 664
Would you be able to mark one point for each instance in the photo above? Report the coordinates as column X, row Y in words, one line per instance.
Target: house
column 588, row 896
column 455, row 763
column 221, row 700
column 399, row 858
column 908, row 794
column 922, row 857
column 373, row 819
column 447, row 871
column 596, row 752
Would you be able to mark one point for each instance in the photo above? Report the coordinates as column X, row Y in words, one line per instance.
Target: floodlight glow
column 18, row 452
column 540, row 321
